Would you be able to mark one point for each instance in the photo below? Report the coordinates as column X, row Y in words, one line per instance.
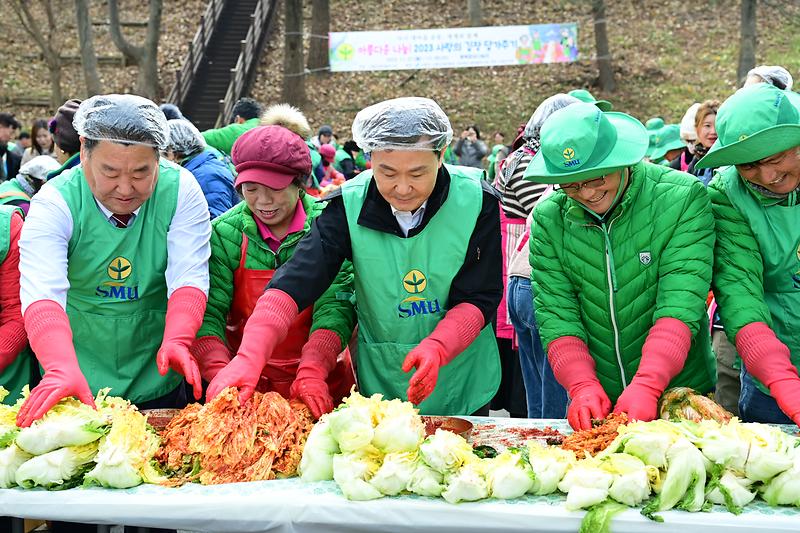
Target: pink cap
column 328, row 152
column 272, row 156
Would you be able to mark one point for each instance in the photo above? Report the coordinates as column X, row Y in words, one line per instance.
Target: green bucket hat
column 580, row 142
column 653, row 126
column 753, row 123
column 666, row 139
column 585, row 96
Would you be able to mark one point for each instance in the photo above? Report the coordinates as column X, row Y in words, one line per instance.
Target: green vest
column 117, row 298
column 18, row 373
column 341, row 155
column 11, row 191
column 777, row 230
column 402, row 286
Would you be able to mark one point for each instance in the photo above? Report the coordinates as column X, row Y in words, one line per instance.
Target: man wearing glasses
column 621, row 256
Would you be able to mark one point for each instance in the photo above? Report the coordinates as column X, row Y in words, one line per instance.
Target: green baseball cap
column 753, row 123
column 666, row 139
column 581, row 142
column 585, row 96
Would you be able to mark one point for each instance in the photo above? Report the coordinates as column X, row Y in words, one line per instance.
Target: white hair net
column 122, row 118
column 688, row 132
column 548, row 106
column 184, row 137
column 39, row 167
column 774, row 75
column 409, row 123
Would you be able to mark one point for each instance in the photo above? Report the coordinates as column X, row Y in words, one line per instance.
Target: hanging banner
column 453, row 47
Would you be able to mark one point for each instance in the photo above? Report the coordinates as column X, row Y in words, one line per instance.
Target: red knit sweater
column 12, row 327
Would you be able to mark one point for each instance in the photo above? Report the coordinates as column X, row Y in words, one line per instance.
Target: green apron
column 18, row 373
column 341, row 155
column 777, row 230
column 402, row 286
column 117, row 298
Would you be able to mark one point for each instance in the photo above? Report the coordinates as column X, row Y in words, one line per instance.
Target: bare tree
column 747, row 39
column 46, row 38
column 145, row 56
column 294, row 80
column 320, row 26
column 474, row 12
column 86, row 40
column 604, row 66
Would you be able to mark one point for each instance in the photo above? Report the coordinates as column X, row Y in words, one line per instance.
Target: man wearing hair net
column 424, row 239
column 114, row 265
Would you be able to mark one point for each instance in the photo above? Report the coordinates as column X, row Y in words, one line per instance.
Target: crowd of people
column 582, row 269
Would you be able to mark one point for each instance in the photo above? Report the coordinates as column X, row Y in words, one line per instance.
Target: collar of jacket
column 376, row 213
column 578, row 214
column 249, row 227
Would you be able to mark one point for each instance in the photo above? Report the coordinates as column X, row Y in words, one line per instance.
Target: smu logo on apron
column 119, row 270
column 414, row 283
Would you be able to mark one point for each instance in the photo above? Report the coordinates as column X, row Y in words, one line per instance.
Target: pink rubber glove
column 574, row 368
column 458, row 329
column 768, row 359
column 317, row 360
column 12, row 341
column 51, row 339
column 211, row 355
column 663, row 356
column 265, row 329
column 185, row 309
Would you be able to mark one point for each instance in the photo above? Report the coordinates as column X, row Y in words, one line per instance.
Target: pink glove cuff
column 12, row 337
column 664, row 352
column 764, row 355
column 268, row 325
column 47, row 324
column 185, row 310
column 210, row 348
column 319, row 354
column 572, row 364
column 458, row 329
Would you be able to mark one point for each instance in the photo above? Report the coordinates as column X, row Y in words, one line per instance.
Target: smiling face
column 274, row 207
column 405, row 178
column 779, row 173
column 121, row 177
column 596, row 194
column 706, row 131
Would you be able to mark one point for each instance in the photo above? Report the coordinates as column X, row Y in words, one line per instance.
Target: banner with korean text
column 453, row 47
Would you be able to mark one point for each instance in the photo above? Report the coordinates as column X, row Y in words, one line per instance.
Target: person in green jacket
column 621, row 256
column 756, row 204
column 248, row 244
column 246, row 113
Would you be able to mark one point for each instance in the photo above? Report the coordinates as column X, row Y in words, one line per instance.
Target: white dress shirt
column 407, row 219
column 48, row 228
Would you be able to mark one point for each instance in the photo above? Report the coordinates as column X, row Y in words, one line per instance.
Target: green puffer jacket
column 225, row 137
column 333, row 311
column 661, row 240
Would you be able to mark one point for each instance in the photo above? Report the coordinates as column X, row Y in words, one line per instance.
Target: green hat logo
column 569, row 154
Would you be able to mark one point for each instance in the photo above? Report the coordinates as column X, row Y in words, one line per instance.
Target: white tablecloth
column 293, row 506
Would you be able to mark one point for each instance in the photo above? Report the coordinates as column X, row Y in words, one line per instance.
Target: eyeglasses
column 575, row 189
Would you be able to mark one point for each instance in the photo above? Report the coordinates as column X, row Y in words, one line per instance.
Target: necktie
column 121, row 220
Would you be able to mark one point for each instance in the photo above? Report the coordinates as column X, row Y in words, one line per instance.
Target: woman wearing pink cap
column 253, row 239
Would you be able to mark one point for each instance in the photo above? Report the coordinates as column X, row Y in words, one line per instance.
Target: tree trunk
column 474, row 12
column 320, row 26
column 146, row 56
column 606, row 71
column 747, row 39
column 51, row 51
column 131, row 53
column 88, row 57
column 294, row 81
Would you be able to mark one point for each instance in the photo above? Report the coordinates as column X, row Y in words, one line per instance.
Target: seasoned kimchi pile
column 596, row 439
column 225, row 442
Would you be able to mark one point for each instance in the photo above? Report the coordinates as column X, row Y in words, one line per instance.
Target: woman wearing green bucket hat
column 756, row 203
column 621, row 258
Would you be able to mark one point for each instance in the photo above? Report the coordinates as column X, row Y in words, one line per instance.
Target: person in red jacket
column 15, row 369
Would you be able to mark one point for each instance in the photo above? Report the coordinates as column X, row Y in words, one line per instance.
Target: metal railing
column 196, row 53
column 246, row 65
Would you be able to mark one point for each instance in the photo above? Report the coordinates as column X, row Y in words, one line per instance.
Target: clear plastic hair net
column 123, row 118
column 772, row 74
column 39, row 167
column 548, row 106
column 688, row 132
column 402, row 124
column 184, row 137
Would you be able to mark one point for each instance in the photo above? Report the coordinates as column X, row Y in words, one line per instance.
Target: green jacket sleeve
column 556, row 303
column 684, row 272
column 222, row 138
column 738, row 267
column 334, row 310
column 224, row 259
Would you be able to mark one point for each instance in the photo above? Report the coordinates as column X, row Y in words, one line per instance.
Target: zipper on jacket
column 612, row 288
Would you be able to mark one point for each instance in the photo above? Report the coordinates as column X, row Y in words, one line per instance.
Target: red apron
column 278, row 375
